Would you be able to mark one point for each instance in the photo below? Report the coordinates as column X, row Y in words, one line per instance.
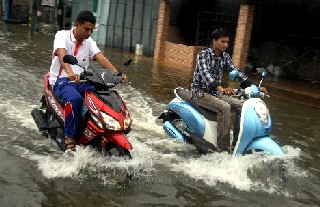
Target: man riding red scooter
column 76, row 42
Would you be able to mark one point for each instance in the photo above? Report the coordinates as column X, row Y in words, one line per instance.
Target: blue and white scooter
column 185, row 121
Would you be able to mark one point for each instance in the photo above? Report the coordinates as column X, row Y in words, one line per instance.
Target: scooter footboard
column 265, row 144
column 119, row 139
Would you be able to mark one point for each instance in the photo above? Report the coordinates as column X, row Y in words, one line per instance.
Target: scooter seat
column 60, row 101
column 186, row 95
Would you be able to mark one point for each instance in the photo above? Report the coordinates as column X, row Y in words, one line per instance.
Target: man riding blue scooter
column 207, row 91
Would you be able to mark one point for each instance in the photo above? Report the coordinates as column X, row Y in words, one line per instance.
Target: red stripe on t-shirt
column 77, row 48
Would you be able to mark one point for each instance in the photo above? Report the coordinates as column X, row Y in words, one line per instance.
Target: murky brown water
column 33, row 171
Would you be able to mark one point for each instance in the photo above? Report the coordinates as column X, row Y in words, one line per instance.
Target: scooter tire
column 112, row 149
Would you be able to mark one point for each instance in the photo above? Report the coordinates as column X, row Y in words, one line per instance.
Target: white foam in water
column 219, row 168
column 88, row 162
column 18, row 110
column 140, row 109
column 149, row 141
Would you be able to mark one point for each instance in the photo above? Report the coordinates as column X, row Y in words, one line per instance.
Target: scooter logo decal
column 55, row 107
column 89, row 134
column 102, row 75
column 93, row 107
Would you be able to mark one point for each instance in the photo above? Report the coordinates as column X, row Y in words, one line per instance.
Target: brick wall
column 168, row 51
column 182, row 54
column 186, row 55
column 243, row 36
column 162, row 30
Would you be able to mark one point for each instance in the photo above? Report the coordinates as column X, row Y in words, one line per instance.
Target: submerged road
column 34, row 173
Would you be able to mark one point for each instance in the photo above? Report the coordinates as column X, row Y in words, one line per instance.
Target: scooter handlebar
column 239, row 93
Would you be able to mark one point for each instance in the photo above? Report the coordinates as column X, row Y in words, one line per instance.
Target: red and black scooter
column 104, row 120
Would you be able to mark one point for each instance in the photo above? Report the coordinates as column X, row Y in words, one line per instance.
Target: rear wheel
column 179, row 124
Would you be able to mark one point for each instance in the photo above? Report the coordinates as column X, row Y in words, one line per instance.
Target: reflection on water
column 157, row 78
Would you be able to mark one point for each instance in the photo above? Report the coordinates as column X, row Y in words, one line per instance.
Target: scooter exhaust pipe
column 39, row 118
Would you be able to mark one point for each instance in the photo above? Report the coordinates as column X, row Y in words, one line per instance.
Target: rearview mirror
column 70, row 59
column 128, row 62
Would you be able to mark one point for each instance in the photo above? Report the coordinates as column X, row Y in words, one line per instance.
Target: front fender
column 119, row 139
column 251, row 126
column 266, row 144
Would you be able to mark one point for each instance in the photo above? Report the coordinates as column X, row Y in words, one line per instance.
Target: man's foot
column 70, row 143
column 219, row 149
column 231, row 149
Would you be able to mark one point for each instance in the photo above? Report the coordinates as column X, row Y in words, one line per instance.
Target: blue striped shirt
column 210, row 69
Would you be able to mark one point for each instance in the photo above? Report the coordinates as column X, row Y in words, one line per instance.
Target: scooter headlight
column 110, row 122
column 97, row 121
column 263, row 112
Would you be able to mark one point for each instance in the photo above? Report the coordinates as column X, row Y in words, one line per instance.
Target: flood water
column 34, row 172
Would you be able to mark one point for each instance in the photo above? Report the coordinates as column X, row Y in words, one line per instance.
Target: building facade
column 282, row 33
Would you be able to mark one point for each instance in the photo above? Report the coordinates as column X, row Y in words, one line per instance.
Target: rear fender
column 266, row 144
column 193, row 118
column 119, row 139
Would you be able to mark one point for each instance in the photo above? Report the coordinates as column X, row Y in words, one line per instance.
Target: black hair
column 86, row 16
column 217, row 33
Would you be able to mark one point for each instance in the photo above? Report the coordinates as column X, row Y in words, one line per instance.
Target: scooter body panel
column 119, row 139
column 172, row 131
column 192, row 118
column 92, row 123
column 250, row 125
column 255, row 126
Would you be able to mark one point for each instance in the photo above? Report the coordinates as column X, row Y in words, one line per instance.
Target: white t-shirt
column 83, row 52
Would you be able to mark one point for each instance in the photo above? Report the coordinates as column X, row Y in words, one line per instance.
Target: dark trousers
column 222, row 105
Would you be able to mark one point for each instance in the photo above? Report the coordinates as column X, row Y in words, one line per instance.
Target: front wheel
column 264, row 145
column 112, row 149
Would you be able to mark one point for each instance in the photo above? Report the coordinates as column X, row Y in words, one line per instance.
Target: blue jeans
column 72, row 93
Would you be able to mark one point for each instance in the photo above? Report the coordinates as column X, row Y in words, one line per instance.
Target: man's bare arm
column 104, row 62
column 61, row 52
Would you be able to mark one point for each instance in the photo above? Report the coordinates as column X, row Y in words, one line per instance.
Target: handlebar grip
column 81, row 81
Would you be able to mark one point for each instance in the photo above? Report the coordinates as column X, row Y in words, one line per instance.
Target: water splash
column 151, row 147
column 88, row 163
column 249, row 173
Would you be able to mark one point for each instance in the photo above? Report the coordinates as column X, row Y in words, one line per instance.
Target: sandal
column 70, row 144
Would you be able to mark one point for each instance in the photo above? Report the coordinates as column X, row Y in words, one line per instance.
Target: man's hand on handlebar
column 74, row 77
column 263, row 89
column 125, row 78
column 228, row 91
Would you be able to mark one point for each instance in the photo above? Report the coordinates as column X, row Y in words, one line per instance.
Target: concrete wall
column 132, row 22
column 78, row 6
column 103, row 12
